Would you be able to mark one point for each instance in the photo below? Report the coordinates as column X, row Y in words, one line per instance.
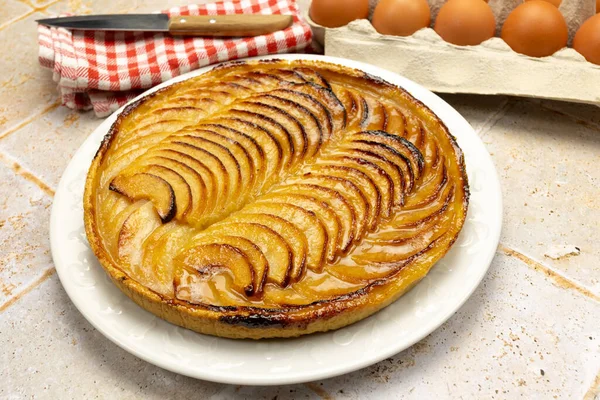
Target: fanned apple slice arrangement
column 274, row 199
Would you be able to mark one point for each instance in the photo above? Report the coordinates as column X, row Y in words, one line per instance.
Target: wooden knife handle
column 228, row 25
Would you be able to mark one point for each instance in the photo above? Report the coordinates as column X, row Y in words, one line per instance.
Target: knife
column 206, row 25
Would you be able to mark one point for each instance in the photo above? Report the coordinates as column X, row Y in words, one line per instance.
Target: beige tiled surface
column 25, row 89
column 11, row 9
column 530, row 314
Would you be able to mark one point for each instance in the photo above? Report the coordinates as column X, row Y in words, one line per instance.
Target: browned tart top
column 275, row 185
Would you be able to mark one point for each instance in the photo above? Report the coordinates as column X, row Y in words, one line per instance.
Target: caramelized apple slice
column 212, row 163
column 311, row 227
column 310, row 122
column 321, row 209
column 392, row 170
column 185, row 181
column 379, row 176
column 360, row 180
column 136, row 228
column 287, row 230
column 344, row 211
column 289, row 130
column 397, row 254
column 388, row 153
column 376, row 118
column 403, row 146
column 208, row 259
column 183, row 193
column 310, row 75
column 231, row 164
column 348, row 190
column 234, row 148
column 313, row 104
column 275, row 249
column 150, row 187
column 255, row 256
column 396, row 121
column 272, row 151
column 248, row 145
column 207, row 181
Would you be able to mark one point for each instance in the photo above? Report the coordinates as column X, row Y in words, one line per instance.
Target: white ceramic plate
column 308, row 358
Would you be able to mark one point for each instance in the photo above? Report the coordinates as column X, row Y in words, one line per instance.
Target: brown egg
column 465, row 22
column 535, row 28
column 401, row 17
column 598, row 6
column 336, row 13
column 555, row 3
column 587, row 39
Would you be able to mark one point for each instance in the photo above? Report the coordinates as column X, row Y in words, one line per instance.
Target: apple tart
column 274, row 198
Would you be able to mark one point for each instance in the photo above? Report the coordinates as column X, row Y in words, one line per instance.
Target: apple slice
column 231, row 164
column 388, row 153
column 330, row 101
column 345, row 212
column 150, row 187
column 311, row 125
column 271, row 147
column 134, row 231
column 310, row 75
column 250, row 145
column 321, row 209
column 313, row 104
column 183, row 192
column 348, row 190
column 290, row 76
column 266, row 79
column 360, row 180
column 286, row 229
column 208, row 259
column 239, row 152
column 195, row 182
column 204, row 178
column 378, row 118
column 401, row 145
column 381, row 179
column 361, row 110
column 311, row 227
column 273, row 246
column 396, row 121
column 212, row 163
column 391, row 170
column 398, row 254
column 295, row 135
column 429, row 191
column 255, row 256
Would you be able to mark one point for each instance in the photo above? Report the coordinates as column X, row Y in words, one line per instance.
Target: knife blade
column 206, row 25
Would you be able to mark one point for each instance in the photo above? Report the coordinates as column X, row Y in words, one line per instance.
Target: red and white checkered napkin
column 104, row 70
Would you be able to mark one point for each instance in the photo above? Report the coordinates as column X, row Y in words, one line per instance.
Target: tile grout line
column 19, row 170
column 559, row 279
column 47, row 274
column 493, row 118
column 30, row 119
column 27, row 14
column 594, row 389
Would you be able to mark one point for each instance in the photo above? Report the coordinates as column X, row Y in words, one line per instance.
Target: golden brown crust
column 246, row 321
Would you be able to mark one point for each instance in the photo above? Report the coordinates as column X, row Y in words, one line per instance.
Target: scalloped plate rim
column 60, row 254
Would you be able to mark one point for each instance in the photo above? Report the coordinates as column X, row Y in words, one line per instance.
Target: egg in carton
column 491, row 67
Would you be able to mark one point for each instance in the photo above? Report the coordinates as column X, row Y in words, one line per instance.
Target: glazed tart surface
column 274, row 198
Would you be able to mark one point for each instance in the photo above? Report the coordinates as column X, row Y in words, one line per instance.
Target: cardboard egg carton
column 489, row 68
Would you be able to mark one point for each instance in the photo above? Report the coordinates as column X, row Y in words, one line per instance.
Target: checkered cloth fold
column 104, row 70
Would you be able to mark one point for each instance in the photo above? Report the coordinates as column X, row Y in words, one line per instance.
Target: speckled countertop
column 531, row 330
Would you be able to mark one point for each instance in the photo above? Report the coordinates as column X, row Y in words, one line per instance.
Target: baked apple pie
column 274, row 198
